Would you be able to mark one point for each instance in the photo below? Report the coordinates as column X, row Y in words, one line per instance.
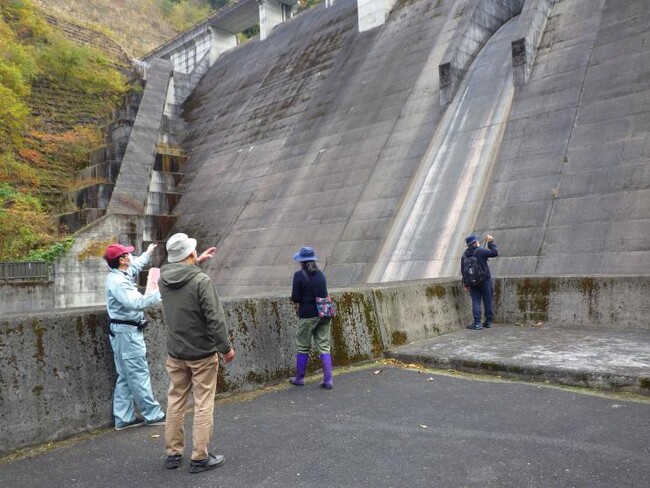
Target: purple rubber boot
column 301, row 369
column 326, row 359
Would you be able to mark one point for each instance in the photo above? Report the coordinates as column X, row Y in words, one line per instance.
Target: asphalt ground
column 383, row 425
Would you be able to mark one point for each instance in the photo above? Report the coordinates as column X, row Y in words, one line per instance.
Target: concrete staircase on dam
column 383, row 146
column 131, row 196
column 94, row 184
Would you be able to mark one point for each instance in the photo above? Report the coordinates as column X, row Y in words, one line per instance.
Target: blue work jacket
column 123, row 300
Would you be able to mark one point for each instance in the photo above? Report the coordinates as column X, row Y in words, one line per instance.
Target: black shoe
column 173, row 461
column 475, row 327
column 135, row 423
column 487, row 325
column 204, row 464
column 160, row 421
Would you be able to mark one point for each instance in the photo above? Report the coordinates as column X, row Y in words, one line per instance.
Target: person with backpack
column 308, row 283
column 477, row 278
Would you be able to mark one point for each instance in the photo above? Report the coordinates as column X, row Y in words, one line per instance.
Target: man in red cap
column 125, row 306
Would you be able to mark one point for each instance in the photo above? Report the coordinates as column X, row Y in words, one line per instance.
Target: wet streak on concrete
column 442, row 203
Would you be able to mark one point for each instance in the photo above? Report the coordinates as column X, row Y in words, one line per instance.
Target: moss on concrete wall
column 533, row 298
column 57, row 373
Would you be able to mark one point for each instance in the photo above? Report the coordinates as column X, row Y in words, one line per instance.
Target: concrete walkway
column 617, row 360
column 392, row 426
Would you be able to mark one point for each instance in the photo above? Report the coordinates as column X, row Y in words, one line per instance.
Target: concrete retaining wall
column 79, row 275
column 612, row 302
column 57, row 373
column 26, row 297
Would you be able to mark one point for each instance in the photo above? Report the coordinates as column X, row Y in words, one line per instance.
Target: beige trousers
column 200, row 378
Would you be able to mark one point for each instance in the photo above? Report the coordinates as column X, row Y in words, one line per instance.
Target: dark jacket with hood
column 482, row 255
column 196, row 323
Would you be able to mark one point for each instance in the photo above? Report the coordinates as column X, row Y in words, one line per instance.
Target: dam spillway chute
column 443, row 201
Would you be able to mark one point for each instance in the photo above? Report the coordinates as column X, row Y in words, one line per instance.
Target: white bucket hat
column 179, row 246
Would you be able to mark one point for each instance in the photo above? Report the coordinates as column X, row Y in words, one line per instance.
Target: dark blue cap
column 472, row 238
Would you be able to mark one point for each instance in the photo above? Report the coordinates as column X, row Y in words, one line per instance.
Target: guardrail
column 24, row 271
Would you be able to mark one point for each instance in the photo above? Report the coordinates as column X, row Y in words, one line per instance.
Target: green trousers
column 316, row 327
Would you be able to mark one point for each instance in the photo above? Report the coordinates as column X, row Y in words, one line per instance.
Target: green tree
column 34, row 164
column 182, row 15
column 13, row 116
column 23, row 224
column 79, row 67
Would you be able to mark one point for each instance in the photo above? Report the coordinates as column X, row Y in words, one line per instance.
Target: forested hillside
column 62, row 72
column 138, row 26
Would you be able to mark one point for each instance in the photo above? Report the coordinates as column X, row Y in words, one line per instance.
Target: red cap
column 116, row 250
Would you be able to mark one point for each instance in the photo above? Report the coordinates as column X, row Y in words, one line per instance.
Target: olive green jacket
column 196, row 323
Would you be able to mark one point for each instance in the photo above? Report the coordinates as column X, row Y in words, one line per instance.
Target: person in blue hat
column 308, row 283
column 477, row 278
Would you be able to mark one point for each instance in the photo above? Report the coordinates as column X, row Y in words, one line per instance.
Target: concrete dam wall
column 322, row 136
column 58, row 376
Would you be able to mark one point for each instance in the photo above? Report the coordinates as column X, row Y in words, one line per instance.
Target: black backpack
column 473, row 272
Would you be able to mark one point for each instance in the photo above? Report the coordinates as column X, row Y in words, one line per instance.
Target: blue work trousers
column 133, row 380
column 482, row 292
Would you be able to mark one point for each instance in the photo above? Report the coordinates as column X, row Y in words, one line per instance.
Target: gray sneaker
column 173, row 461
column 210, row 462
column 475, row 327
column 135, row 423
column 160, row 421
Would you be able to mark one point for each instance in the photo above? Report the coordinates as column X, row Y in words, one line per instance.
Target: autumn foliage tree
column 37, row 165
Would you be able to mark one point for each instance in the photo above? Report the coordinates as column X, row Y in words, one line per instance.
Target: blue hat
column 305, row 254
column 472, row 238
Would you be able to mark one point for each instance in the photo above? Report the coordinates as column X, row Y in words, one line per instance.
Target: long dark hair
column 310, row 266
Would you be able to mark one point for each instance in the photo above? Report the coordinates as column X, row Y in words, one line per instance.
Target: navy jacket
column 482, row 255
column 302, row 292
